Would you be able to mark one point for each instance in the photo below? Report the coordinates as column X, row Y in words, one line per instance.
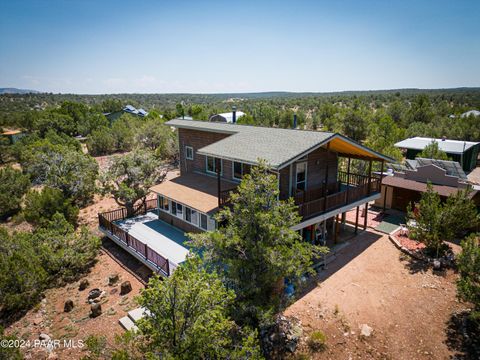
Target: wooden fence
column 106, row 222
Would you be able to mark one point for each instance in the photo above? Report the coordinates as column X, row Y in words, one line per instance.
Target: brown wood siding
column 316, row 168
column 284, row 183
column 197, row 139
column 174, row 221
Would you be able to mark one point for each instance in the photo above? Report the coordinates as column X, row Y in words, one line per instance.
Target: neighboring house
column 129, row 109
column 470, row 112
column 215, row 156
column 463, row 152
column 405, row 185
column 12, row 135
column 230, row 117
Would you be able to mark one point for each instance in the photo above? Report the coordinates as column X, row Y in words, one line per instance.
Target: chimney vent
column 234, row 114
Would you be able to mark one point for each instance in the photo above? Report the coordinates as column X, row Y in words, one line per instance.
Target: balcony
column 347, row 190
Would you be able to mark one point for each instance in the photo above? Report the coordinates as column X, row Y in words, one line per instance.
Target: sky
column 176, row 46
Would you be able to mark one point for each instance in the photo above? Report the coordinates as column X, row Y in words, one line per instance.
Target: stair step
column 136, row 314
column 127, row 323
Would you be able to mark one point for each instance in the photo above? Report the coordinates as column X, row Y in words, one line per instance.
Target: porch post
column 326, row 180
column 348, row 178
column 336, row 229
column 217, row 168
column 369, row 177
column 385, row 198
column 366, row 217
column 356, row 219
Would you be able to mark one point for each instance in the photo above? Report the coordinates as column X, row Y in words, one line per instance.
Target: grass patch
column 317, row 341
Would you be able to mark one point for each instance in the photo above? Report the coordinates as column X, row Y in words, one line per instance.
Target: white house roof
column 448, row 146
column 229, row 116
column 470, row 112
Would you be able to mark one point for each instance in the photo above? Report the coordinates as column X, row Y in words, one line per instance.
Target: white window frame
column 200, row 221
column 195, row 215
column 187, row 148
column 214, row 164
column 233, row 170
column 296, row 174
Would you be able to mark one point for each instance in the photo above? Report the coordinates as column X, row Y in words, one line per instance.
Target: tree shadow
column 463, row 336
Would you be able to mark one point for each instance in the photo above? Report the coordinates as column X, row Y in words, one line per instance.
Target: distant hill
column 17, row 91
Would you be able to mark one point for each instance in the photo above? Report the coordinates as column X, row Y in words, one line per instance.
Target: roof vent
column 294, row 121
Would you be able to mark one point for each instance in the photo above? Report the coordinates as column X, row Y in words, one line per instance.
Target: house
column 214, row 156
column 129, row 109
column 463, row 152
column 230, row 117
column 469, row 113
column 12, row 135
column 405, row 184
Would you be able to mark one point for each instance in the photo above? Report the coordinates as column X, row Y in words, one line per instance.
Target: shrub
column 317, row 341
column 13, row 185
column 101, row 141
column 468, row 285
column 41, row 206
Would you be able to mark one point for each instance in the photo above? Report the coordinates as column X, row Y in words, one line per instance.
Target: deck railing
column 106, row 221
column 357, row 187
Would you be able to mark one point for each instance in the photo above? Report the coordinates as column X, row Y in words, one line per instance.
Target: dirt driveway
column 371, row 283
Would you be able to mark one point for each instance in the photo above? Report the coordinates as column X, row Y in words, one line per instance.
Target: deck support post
column 356, row 219
column 366, row 217
column 385, row 199
column 146, row 253
column 326, row 180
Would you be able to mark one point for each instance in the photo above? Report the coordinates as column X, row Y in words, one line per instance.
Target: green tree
column 437, row 221
column 22, row 277
column 41, row 206
column 7, row 352
column 155, row 136
column 432, row 151
column 60, row 167
column 101, row 142
column 257, row 249
column 130, row 177
column 13, row 185
column 188, row 317
column 383, row 134
column 468, row 285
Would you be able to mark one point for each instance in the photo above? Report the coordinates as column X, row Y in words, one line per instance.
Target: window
column 301, row 175
column 211, row 165
column 163, row 203
column 203, row 221
column 237, row 170
column 188, row 152
column 177, row 209
column 191, row 216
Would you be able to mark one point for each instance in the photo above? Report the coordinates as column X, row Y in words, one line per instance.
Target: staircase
column 128, row 322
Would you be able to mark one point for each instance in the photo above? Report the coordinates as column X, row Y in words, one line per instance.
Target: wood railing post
column 146, row 253
column 369, row 177
column 167, row 267
column 348, row 179
column 127, row 239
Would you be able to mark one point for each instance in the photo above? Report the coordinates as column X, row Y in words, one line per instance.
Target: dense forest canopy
column 376, row 118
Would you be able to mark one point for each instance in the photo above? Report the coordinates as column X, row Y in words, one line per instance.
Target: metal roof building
column 463, row 152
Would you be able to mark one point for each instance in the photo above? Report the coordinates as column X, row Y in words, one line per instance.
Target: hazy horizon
column 212, row 47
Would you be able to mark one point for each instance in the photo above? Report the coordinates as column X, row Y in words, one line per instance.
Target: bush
column 6, row 352
column 101, row 142
column 317, row 341
column 41, row 206
column 468, row 285
column 13, row 185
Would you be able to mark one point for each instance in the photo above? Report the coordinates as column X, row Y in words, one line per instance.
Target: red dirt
column 371, row 282
column 408, row 243
column 373, row 219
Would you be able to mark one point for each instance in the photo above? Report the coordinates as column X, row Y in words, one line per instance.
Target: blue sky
column 106, row 46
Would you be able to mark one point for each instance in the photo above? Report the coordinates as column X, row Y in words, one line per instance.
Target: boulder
column 365, row 330
column 44, row 337
column 113, row 279
column 125, row 287
column 95, row 310
column 437, row 264
column 83, row 284
column 94, row 293
column 68, row 306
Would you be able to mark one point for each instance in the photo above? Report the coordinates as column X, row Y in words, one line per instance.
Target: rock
column 44, row 337
column 94, row 293
column 437, row 264
column 38, row 320
column 125, row 287
column 112, row 279
column 365, row 330
column 103, row 294
column 68, row 306
column 83, row 284
column 95, row 310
